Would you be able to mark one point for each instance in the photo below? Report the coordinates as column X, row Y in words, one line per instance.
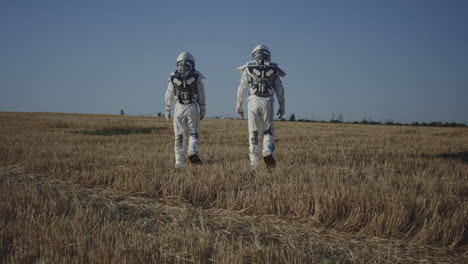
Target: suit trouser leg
column 268, row 129
column 254, row 129
column 179, row 132
column 193, row 125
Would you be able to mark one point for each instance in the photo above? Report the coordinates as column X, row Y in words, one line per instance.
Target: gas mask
column 184, row 66
column 261, row 55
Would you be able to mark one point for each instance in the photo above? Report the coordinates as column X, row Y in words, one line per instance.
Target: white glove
column 202, row 111
column 280, row 111
column 239, row 111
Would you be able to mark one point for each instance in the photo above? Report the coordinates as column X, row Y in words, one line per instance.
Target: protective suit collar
column 253, row 63
column 195, row 71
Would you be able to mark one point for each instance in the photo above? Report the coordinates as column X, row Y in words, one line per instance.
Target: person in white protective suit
column 186, row 88
column 262, row 78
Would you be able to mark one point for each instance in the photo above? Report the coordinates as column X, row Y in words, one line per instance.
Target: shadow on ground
column 458, row 156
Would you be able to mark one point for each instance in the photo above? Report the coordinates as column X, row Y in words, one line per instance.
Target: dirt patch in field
column 120, row 131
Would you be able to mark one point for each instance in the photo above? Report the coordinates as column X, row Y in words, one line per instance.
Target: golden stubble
column 340, row 193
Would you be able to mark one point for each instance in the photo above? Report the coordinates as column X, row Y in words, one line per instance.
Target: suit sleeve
column 243, row 86
column 279, row 90
column 201, row 93
column 169, row 95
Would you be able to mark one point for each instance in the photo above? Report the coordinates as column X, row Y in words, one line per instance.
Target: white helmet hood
column 185, row 56
column 261, row 47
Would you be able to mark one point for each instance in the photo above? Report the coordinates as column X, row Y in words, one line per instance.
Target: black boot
column 270, row 161
column 195, row 159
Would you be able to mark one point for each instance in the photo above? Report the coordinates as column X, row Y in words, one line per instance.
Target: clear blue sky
column 394, row 60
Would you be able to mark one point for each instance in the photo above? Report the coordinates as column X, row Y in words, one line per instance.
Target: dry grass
column 341, row 194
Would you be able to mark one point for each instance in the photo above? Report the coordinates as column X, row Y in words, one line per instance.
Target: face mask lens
column 261, row 55
column 184, row 66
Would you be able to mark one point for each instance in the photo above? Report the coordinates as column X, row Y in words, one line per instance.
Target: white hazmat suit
column 262, row 79
column 186, row 88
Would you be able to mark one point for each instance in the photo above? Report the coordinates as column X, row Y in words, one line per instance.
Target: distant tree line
column 339, row 118
column 368, row 121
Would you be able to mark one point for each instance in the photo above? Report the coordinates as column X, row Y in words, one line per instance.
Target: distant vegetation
column 368, row 121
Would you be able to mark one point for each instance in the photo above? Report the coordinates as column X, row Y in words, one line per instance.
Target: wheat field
column 102, row 189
